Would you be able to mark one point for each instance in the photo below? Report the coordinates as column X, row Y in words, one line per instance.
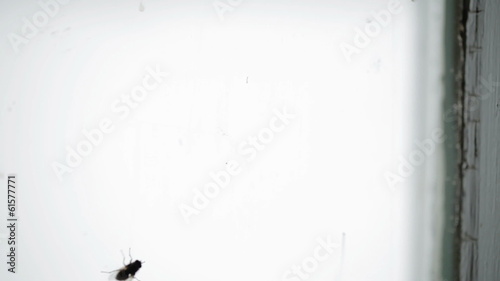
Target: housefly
column 128, row 271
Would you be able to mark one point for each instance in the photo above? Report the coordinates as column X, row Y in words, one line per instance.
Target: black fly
column 128, row 271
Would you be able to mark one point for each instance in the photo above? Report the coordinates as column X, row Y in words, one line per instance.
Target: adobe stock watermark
column 121, row 107
column 363, row 37
column 248, row 149
column 489, row 88
column 474, row 100
column 31, row 27
column 223, row 6
column 324, row 250
column 424, row 149
column 416, row 158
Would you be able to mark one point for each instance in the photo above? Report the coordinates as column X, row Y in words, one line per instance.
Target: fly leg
column 129, row 255
column 109, row 271
column 123, row 261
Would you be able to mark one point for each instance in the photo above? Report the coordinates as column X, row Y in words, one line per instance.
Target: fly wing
column 119, row 275
column 112, row 275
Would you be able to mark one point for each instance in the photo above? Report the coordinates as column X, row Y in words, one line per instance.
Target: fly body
column 128, row 271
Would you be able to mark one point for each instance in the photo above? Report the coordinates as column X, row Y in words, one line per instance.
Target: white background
column 323, row 175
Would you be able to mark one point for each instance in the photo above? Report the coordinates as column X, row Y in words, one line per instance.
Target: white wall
column 322, row 177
